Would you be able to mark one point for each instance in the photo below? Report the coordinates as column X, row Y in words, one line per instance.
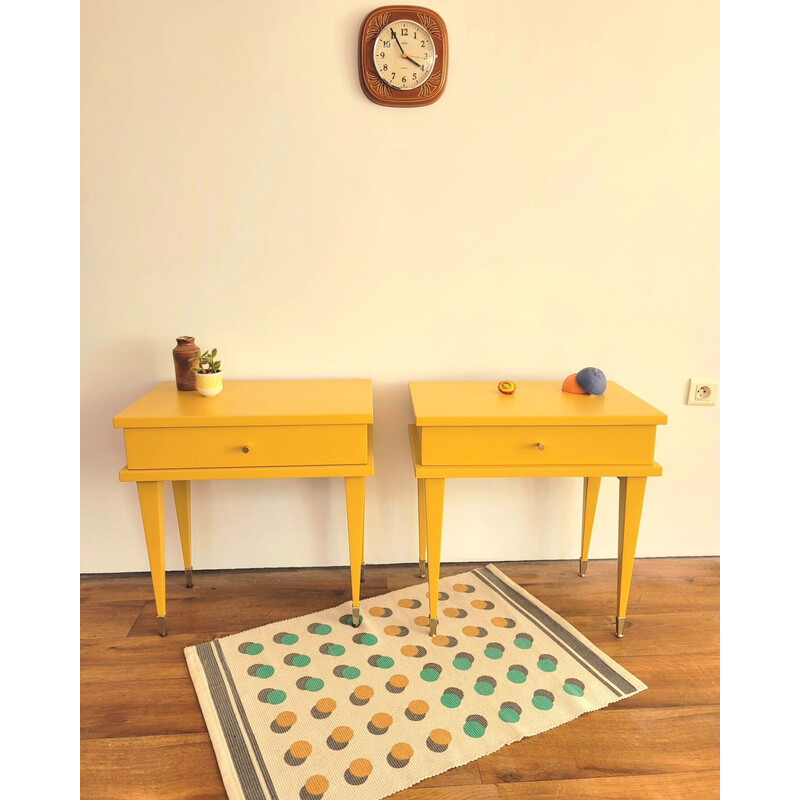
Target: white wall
column 239, row 187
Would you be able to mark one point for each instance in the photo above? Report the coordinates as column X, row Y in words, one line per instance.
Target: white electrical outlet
column 702, row 392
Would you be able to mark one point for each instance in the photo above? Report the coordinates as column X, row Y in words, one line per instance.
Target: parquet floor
column 143, row 736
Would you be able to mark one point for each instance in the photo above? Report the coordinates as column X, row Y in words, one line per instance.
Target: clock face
column 404, row 54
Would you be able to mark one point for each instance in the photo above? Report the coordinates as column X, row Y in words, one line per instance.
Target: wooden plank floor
column 143, row 736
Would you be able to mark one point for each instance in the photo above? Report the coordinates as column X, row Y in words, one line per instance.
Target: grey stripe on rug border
column 246, row 723
column 558, row 633
column 237, row 748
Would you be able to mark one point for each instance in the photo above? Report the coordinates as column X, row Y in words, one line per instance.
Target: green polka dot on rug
column 250, row 648
column 524, row 641
column 330, row 649
column 347, row 672
column 574, row 687
column 510, row 712
column 452, row 697
column 463, row 661
column 430, row 672
column 547, row 663
column 297, row 660
column 261, row 671
column 485, row 685
column 543, row 700
column 272, row 696
column 517, row 673
column 475, row 726
column 309, row 684
column 319, row 629
column 382, row 662
column 494, row 651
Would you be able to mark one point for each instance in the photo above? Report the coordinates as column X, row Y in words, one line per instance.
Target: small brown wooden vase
column 184, row 354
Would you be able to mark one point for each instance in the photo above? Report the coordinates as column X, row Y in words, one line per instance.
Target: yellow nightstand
column 471, row 430
column 253, row 429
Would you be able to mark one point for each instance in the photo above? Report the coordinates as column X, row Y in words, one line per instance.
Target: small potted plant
column 209, row 374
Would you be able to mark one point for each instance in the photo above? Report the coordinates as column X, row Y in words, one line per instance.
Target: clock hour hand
column 405, row 55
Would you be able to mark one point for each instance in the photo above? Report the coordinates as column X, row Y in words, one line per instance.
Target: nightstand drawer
column 266, row 446
column 537, row 445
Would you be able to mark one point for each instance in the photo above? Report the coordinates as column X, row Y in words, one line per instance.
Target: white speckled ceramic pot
column 209, row 384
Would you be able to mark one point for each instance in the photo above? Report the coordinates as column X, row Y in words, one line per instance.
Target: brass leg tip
column 582, row 569
column 422, row 570
column 363, row 572
column 620, row 626
column 356, row 616
column 189, row 579
column 434, row 625
column 162, row 625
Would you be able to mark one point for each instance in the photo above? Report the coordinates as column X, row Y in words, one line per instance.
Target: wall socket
column 702, row 392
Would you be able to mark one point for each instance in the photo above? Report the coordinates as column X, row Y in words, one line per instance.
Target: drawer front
column 516, row 446
column 268, row 446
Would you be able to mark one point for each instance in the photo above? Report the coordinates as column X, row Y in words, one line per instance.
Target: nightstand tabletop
column 450, row 403
column 291, row 402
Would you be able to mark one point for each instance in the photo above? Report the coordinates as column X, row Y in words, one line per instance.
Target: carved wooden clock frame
column 380, row 92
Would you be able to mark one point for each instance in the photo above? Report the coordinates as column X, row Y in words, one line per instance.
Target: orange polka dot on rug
column 283, row 722
column 379, row 724
column 416, row 710
column 438, row 740
column 361, row 695
column 400, row 755
column 340, row 737
column 358, row 771
column 314, row 788
column 397, row 683
column 297, row 753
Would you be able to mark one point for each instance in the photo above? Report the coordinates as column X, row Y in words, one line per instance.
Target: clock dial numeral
column 400, row 49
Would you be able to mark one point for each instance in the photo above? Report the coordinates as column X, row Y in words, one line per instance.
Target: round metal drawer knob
column 540, row 445
column 246, row 449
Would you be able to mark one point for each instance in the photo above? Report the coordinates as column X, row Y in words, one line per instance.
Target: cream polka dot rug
column 313, row 708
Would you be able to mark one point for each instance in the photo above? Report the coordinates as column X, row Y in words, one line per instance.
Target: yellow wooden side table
column 471, row 430
column 253, row 429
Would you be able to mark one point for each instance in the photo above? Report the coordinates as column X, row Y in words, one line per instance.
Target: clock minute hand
column 394, row 36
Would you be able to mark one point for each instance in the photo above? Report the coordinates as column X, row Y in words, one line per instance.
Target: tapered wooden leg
column 631, row 500
column 423, row 533
column 151, row 502
column 182, row 492
column 433, row 490
column 591, row 488
column 355, row 489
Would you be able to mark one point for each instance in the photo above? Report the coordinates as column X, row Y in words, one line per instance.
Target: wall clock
column 402, row 56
